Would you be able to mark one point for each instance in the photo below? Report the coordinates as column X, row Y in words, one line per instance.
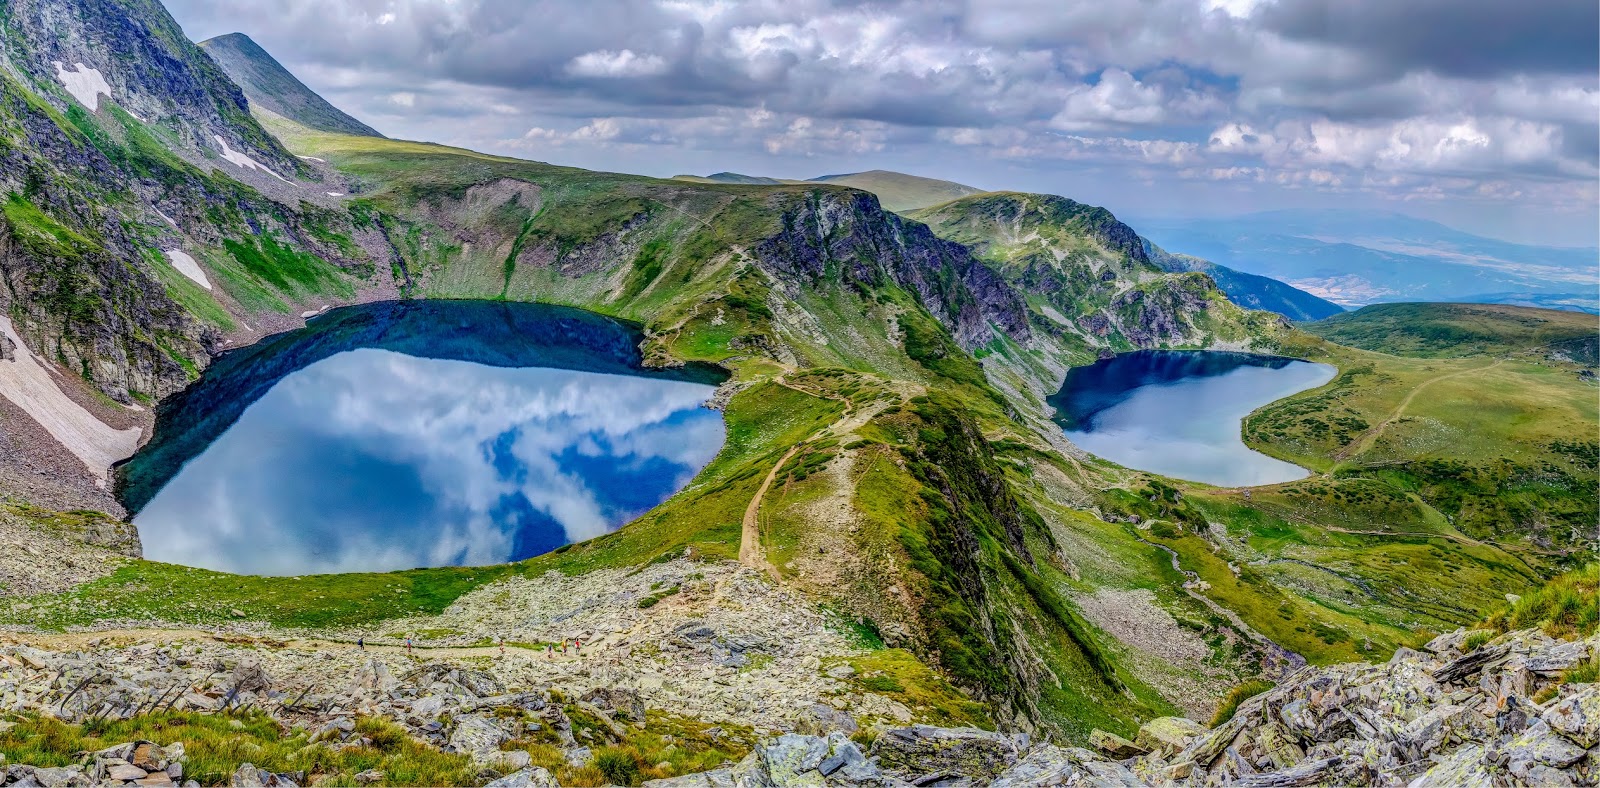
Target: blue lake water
column 1180, row 413
column 394, row 436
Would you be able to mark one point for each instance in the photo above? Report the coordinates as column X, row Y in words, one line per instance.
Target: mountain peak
column 270, row 86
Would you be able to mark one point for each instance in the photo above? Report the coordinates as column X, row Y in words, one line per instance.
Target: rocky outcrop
column 138, row 53
column 846, row 234
column 1495, row 715
column 131, row 763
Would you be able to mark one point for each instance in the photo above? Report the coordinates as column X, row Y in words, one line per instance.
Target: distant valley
column 1355, row 258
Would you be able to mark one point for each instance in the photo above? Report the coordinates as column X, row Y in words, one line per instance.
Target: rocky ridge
column 721, row 646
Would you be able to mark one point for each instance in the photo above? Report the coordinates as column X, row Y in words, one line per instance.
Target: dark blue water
column 1180, row 413
column 411, row 434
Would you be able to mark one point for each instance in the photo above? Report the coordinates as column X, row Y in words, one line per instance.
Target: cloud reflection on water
column 372, row 460
column 1190, row 428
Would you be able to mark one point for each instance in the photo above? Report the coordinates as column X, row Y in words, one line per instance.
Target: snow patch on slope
column 243, row 160
column 27, row 383
column 188, row 267
column 84, row 83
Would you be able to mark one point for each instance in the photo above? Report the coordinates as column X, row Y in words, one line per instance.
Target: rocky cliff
column 1098, row 286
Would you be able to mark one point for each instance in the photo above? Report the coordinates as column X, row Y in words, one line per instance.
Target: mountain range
column 895, row 532
column 1361, row 257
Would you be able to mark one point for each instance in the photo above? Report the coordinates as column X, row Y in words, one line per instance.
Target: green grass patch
column 146, row 590
column 215, row 745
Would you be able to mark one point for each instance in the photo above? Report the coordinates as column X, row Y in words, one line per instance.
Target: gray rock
column 820, row 720
column 1050, row 765
column 716, row 778
column 62, row 777
column 791, row 755
column 529, row 777
column 1168, row 734
column 248, row 776
column 513, row 760
column 479, row 737
column 126, row 772
column 250, row 677
column 1113, row 745
column 624, row 703
column 1577, row 716
column 922, row 752
column 1534, row 754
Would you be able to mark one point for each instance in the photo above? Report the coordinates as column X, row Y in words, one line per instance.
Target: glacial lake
column 1180, row 413
column 411, row 434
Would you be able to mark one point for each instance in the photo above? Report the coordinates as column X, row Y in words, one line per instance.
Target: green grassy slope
column 1460, row 330
column 901, row 192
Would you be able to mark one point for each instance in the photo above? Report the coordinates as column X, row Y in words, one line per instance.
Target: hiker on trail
column 563, row 645
column 408, row 644
column 549, row 651
column 577, row 646
column 361, row 643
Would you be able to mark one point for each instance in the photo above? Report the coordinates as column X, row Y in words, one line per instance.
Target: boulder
column 820, row 720
column 624, row 703
column 922, row 752
column 479, row 737
column 1051, row 765
column 125, row 772
column 1577, row 716
column 1168, row 734
column 529, row 777
column 1113, row 745
column 248, row 776
column 250, row 677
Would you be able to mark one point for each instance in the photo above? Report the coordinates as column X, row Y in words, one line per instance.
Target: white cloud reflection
column 1190, row 429
column 372, row 460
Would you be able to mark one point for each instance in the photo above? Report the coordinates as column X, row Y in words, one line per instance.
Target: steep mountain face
column 133, row 53
column 269, row 86
column 1248, row 290
column 1089, row 275
column 848, row 233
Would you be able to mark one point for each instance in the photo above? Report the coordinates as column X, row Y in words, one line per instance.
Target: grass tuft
column 1237, row 695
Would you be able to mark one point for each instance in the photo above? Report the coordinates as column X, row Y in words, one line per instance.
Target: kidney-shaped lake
column 1179, row 413
column 412, row 434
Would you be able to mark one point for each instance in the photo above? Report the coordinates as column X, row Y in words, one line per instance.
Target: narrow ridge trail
column 750, row 552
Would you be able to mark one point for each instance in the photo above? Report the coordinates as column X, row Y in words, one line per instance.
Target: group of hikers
column 549, row 648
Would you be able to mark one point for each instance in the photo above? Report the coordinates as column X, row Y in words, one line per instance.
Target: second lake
column 1179, row 413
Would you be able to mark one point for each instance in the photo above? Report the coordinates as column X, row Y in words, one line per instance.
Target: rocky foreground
column 1460, row 712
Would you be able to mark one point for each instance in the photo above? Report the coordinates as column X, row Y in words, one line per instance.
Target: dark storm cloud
column 1463, row 38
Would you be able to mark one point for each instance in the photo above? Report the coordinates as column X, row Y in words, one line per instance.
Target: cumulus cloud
column 1479, row 90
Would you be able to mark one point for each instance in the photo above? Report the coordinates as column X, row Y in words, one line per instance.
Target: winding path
column 1277, row 661
column 1368, row 438
column 750, row 552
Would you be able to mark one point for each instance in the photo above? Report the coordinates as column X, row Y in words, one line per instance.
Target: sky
column 1478, row 113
